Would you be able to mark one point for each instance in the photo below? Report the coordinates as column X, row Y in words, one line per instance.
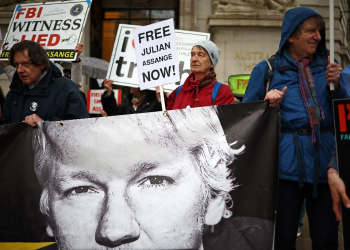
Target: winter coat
column 149, row 104
column 188, row 96
column 58, row 98
column 293, row 112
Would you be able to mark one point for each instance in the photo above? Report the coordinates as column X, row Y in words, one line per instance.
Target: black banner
column 203, row 177
column 341, row 109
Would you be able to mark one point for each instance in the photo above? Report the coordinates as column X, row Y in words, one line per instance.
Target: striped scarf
column 137, row 101
column 309, row 94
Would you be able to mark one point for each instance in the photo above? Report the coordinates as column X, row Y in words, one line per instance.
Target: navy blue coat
column 293, row 111
column 58, row 98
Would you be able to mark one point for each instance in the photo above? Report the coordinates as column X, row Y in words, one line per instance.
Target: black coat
column 149, row 104
column 58, row 98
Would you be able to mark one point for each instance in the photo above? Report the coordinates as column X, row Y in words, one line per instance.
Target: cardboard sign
column 94, row 105
column 123, row 68
column 57, row 26
column 156, row 54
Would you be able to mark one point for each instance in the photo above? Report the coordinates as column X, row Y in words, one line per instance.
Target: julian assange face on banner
column 134, row 182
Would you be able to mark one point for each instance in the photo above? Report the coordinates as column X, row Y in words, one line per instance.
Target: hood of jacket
column 42, row 84
column 292, row 19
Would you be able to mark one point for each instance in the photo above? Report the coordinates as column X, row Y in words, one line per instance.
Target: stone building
column 246, row 31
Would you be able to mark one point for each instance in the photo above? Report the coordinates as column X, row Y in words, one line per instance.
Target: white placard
column 123, row 67
column 94, row 105
column 57, row 26
column 156, row 54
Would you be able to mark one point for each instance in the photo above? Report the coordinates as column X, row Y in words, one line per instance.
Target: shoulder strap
column 178, row 90
column 215, row 92
column 269, row 72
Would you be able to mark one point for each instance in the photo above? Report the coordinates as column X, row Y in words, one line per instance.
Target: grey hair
column 208, row 147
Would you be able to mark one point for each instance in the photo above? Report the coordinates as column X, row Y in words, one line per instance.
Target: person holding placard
column 141, row 102
column 38, row 92
column 201, row 87
column 74, row 75
column 300, row 86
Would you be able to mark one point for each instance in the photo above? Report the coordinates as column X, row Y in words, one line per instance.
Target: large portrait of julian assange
column 147, row 181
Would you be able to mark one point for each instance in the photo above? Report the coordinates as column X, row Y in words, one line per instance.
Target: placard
column 123, row 68
column 156, row 54
column 57, row 26
column 94, row 105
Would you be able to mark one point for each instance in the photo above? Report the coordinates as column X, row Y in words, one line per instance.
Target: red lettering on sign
column 51, row 40
column 20, row 13
column 24, row 37
column 40, row 10
column 57, row 40
column 97, row 101
column 96, row 94
column 31, row 13
column 343, row 117
column 97, row 109
column 42, row 38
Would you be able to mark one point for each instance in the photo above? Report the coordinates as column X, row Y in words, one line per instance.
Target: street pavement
column 304, row 241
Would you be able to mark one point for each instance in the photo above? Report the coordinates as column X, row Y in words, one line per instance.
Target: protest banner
column 57, row 26
column 156, row 54
column 102, row 179
column 94, row 105
column 341, row 109
column 123, row 68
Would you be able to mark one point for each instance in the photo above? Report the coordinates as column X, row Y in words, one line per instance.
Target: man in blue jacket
column 300, row 84
column 38, row 91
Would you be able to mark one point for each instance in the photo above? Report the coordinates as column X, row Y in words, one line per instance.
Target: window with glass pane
column 113, row 18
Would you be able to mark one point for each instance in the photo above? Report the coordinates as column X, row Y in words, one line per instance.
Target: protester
column 75, row 72
column 74, row 75
column 300, row 84
column 141, row 102
column 38, row 91
column 199, row 85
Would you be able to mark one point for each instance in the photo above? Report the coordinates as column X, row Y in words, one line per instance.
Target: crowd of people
column 300, row 85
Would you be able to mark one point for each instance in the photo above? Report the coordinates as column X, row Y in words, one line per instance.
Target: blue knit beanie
column 211, row 48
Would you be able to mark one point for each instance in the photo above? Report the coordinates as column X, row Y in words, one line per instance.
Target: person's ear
column 290, row 39
column 49, row 230
column 215, row 210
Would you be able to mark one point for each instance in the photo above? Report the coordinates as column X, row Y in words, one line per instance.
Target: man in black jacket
column 38, row 92
column 142, row 101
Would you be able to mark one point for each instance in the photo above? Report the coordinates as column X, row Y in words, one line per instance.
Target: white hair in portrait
column 197, row 130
